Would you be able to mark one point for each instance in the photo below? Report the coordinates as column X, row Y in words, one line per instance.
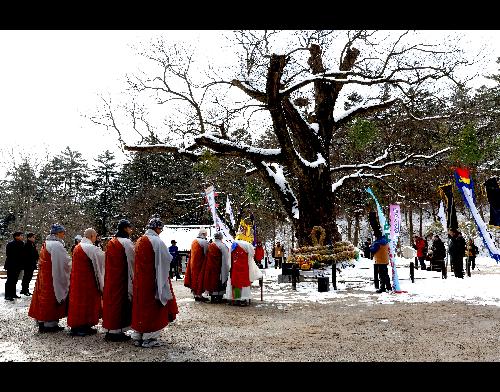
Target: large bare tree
column 292, row 85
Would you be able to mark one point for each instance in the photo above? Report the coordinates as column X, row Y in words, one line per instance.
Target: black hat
column 123, row 224
column 173, row 242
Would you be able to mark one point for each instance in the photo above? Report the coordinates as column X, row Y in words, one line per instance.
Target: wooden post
column 412, row 272
column 294, row 276
column 261, row 284
column 375, row 276
column 334, row 276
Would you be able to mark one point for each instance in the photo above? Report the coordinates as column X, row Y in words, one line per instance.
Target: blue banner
column 466, row 187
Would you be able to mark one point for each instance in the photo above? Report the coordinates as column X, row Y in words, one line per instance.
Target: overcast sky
column 49, row 78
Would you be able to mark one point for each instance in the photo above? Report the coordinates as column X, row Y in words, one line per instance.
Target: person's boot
column 116, row 337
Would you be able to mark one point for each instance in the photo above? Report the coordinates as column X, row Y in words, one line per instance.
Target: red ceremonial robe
column 240, row 276
column 148, row 313
column 44, row 306
column 259, row 253
column 194, row 270
column 117, row 308
column 84, row 296
column 213, row 265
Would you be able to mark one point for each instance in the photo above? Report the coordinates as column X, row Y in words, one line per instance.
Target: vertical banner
column 446, row 193
column 493, row 194
column 441, row 215
column 395, row 219
column 227, row 237
column 465, row 185
column 229, row 211
column 210, row 195
column 386, row 232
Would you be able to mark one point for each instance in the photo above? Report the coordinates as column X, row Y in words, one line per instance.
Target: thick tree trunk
column 317, row 208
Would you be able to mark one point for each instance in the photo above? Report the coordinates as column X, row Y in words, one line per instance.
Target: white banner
column 229, row 211
column 441, row 215
column 209, row 193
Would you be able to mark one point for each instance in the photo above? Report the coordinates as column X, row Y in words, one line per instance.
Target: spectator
column 457, row 251
column 472, row 251
column 438, row 252
column 366, row 249
column 176, row 260
column 259, row 254
column 30, row 262
column 278, row 255
column 380, row 251
column 421, row 246
column 14, row 263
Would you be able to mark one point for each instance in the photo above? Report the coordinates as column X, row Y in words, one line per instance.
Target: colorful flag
column 467, row 191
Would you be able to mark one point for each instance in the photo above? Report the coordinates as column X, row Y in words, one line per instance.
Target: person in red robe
column 216, row 270
column 259, row 254
column 243, row 272
column 118, row 284
column 153, row 300
column 195, row 267
column 49, row 302
column 86, row 286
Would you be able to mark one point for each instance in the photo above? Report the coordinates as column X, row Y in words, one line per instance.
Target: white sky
column 49, row 78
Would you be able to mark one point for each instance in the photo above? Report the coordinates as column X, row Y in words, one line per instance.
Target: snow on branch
column 223, row 146
column 319, row 161
column 358, row 174
column 284, row 187
column 402, row 161
column 360, row 110
column 158, row 148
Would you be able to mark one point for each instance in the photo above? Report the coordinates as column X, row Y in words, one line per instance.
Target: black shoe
column 82, row 331
column 43, row 329
column 17, row 296
column 201, row 299
column 27, row 293
column 9, row 299
column 380, row 291
column 116, row 337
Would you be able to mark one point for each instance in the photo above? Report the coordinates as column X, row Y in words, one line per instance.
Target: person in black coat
column 457, row 252
column 13, row 264
column 366, row 248
column 438, row 252
column 30, row 263
column 176, row 260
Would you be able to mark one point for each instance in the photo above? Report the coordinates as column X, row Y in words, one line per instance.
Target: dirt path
column 339, row 330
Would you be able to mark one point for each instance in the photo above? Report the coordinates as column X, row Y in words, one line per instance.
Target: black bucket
column 323, row 284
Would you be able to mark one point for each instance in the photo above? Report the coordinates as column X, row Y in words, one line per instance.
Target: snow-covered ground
column 481, row 288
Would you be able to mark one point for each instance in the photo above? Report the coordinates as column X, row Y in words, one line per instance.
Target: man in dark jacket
column 438, row 252
column 13, row 264
column 176, row 260
column 366, row 249
column 457, row 252
column 30, row 263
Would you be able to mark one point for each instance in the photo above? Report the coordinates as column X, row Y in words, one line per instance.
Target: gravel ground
column 340, row 329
